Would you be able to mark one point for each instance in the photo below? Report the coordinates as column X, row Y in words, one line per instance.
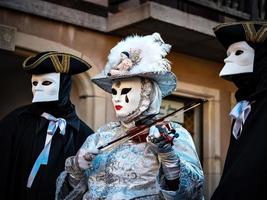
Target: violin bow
column 123, row 139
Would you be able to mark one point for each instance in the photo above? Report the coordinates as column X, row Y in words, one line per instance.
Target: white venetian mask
column 45, row 87
column 240, row 58
column 126, row 96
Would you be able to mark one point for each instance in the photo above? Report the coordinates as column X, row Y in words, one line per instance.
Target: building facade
column 89, row 29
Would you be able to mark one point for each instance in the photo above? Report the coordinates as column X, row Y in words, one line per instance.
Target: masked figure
column 244, row 174
column 161, row 165
column 37, row 138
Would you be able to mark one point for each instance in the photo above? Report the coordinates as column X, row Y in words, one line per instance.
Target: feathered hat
column 141, row 56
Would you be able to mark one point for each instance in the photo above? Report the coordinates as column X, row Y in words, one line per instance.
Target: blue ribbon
column 44, row 155
column 240, row 113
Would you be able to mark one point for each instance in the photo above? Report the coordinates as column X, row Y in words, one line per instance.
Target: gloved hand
column 161, row 136
column 75, row 173
column 85, row 157
column 75, row 165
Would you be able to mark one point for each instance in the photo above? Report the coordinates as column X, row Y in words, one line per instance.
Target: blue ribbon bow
column 240, row 113
column 44, row 155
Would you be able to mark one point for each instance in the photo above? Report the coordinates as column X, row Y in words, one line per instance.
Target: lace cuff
column 73, row 169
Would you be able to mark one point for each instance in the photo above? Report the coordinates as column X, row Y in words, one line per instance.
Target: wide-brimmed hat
column 253, row 32
column 52, row 61
column 139, row 56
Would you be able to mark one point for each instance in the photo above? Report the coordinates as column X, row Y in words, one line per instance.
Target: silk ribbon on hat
column 240, row 113
column 44, row 155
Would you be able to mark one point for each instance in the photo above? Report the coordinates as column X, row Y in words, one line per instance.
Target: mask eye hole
column 113, row 91
column 125, row 90
column 239, row 52
column 46, row 83
column 35, row 83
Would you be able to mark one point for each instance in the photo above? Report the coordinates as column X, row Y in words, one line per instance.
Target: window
column 192, row 120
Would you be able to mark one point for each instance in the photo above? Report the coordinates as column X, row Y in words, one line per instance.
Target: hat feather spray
column 143, row 52
column 142, row 56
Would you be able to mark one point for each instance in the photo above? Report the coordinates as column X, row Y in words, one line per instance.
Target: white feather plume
column 153, row 50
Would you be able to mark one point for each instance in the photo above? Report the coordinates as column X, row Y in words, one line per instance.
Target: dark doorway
column 15, row 85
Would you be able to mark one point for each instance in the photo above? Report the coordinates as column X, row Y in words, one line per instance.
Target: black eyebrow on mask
column 113, row 91
column 125, row 90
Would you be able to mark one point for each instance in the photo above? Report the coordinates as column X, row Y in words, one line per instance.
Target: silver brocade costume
column 133, row 171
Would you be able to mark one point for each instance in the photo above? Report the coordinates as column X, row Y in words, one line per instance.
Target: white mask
column 240, row 58
column 45, row 87
column 126, row 96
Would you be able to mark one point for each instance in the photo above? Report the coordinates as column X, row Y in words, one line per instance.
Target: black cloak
column 245, row 170
column 22, row 137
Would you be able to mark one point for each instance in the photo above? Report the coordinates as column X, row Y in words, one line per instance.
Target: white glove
column 161, row 136
column 86, row 156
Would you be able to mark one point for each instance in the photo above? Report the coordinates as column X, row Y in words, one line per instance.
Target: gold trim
column 253, row 35
column 25, row 61
column 66, row 63
column 56, row 63
column 236, row 23
column 250, row 32
column 262, row 34
column 47, row 55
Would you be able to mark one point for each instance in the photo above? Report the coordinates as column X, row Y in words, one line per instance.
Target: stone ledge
column 122, row 19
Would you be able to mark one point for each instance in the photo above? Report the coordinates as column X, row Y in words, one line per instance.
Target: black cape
column 245, row 171
column 22, row 138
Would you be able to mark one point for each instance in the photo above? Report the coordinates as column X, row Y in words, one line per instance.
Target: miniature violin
column 140, row 132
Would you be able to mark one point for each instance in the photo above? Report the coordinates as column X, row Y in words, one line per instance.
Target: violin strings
column 123, row 140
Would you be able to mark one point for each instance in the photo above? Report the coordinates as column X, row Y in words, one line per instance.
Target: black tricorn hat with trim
column 52, row 61
column 253, row 32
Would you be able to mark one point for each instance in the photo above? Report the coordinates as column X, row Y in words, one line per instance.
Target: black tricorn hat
column 254, row 32
column 52, row 61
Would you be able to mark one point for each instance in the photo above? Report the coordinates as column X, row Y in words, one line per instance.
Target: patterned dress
column 133, row 171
